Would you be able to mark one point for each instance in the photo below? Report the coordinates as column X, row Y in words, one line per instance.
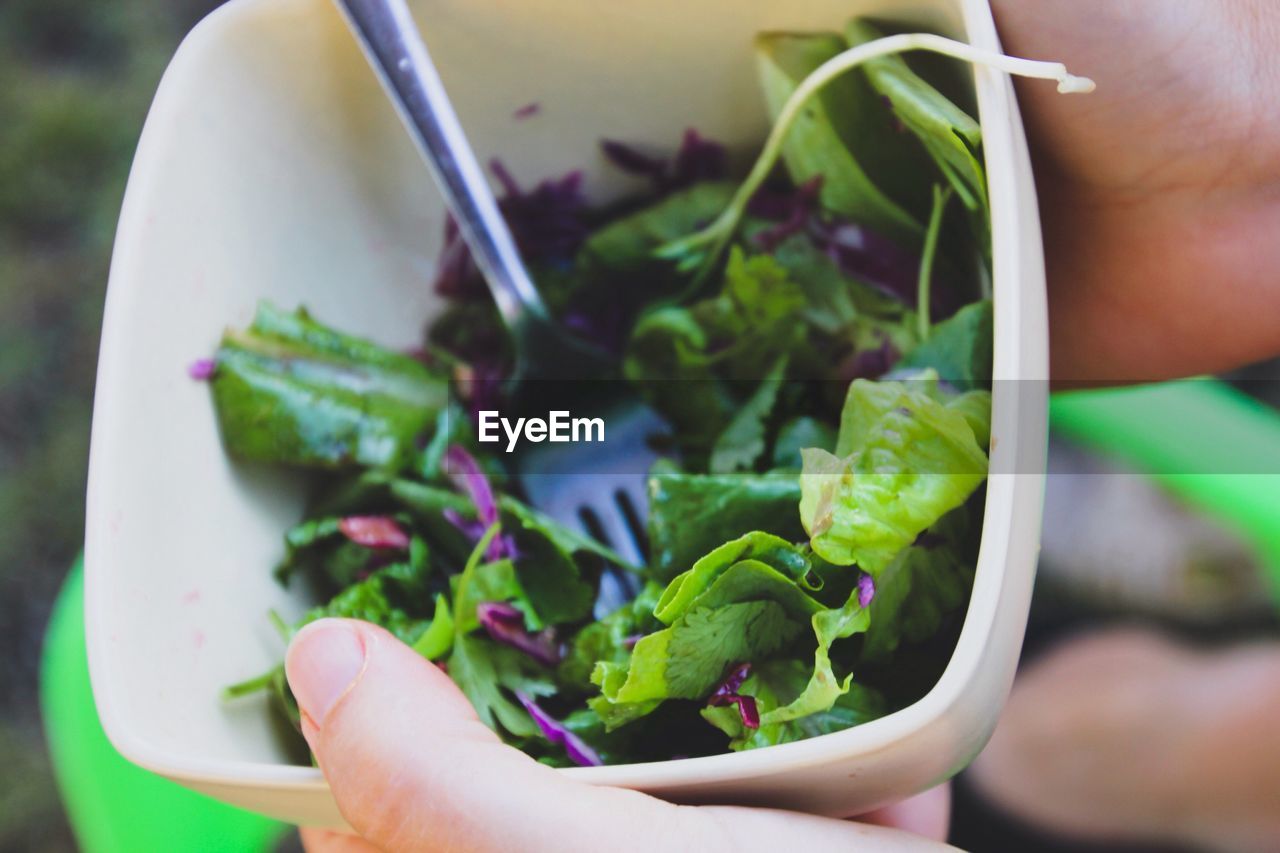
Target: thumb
column 412, row 767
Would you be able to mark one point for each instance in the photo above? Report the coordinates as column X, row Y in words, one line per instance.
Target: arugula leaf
column 289, row 390
column 484, row 669
column 557, row 567
column 317, row 549
column 952, row 137
column 834, row 302
column 626, row 245
column 823, row 140
column 691, row 514
column 903, row 459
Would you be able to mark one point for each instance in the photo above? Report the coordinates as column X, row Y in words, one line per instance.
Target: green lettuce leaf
column 824, row 687
column 923, row 585
column 776, row 684
column 688, row 659
column 904, row 458
column 691, row 514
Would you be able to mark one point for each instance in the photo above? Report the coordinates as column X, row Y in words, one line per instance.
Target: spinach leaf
column 799, row 433
column 289, row 390
column 958, row 348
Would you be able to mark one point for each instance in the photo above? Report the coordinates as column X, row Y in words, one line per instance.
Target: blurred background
column 76, row 78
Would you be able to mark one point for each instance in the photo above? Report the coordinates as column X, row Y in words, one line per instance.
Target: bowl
column 272, row 166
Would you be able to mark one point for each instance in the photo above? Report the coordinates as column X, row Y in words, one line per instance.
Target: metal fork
column 595, row 488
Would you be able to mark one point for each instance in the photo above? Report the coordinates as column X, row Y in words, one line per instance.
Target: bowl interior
column 272, row 167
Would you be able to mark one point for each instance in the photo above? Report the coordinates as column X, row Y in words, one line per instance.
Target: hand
column 414, row 769
column 1160, row 192
column 1125, row 737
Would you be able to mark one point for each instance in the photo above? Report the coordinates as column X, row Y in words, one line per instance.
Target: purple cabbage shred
column 202, row 369
column 727, row 694
column 869, row 363
column 548, row 222
column 866, row 589
column 529, row 110
column 861, row 253
column 505, row 624
column 555, row 731
column 631, row 160
column 794, row 212
column 697, row 159
column 467, row 477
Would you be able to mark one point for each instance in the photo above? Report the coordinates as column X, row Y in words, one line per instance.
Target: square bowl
column 272, row 166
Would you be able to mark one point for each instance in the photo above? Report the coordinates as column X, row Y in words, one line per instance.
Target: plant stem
column 923, row 285
column 717, row 235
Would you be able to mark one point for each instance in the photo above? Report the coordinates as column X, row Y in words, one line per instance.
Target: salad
column 818, row 338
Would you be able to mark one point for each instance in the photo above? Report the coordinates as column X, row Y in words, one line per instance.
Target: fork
column 593, row 488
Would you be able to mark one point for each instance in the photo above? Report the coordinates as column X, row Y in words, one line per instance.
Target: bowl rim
column 995, row 98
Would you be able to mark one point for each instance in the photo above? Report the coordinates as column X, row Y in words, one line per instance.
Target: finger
column 927, row 815
column 327, row 841
column 413, row 768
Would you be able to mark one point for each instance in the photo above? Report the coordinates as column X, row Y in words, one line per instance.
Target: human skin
column 414, row 769
column 1160, row 192
column 1125, row 736
column 1160, row 196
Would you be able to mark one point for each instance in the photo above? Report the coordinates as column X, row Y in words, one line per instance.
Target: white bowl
column 272, row 166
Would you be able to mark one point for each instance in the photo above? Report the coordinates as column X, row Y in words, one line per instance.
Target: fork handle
column 390, row 41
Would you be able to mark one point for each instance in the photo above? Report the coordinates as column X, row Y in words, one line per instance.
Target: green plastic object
column 1211, row 445
column 115, row 806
